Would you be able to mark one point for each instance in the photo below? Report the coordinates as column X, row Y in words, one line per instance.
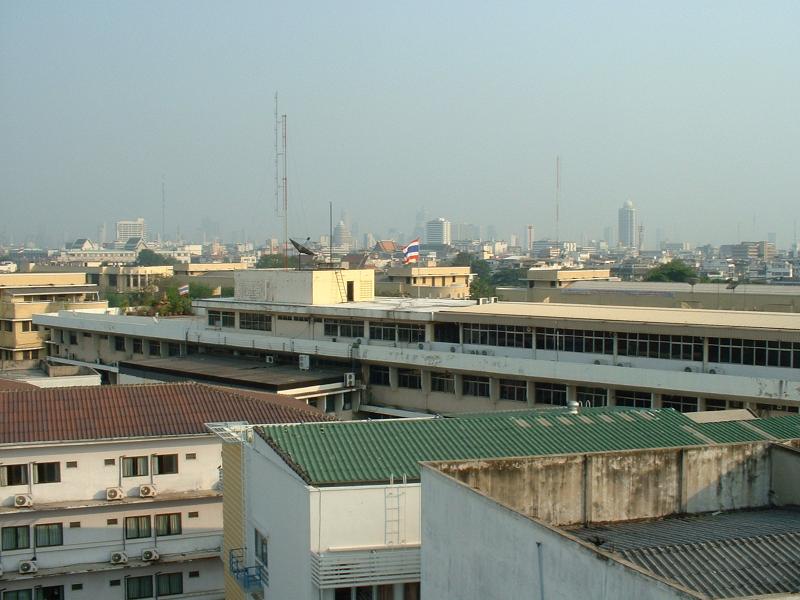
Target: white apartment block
column 116, row 492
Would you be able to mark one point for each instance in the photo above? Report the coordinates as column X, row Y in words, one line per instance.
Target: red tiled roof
column 124, row 411
column 12, row 384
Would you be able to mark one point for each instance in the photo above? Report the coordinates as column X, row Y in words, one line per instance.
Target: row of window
column 50, row 472
column 754, row 352
column 18, row 537
column 25, row 326
column 144, row 586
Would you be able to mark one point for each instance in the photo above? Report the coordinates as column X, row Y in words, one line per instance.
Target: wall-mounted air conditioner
column 28, row 566
column 147, row 491
column 114, row 493
column 118, row 558
column 23, row 501
column 150, row 555
column 349, row 379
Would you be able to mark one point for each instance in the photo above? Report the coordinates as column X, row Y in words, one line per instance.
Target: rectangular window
column 119, row 343
column 72, row 464
column 50, row 592
column 112, row 521
column 155, row 348
column 551, row 393
column 410, row 333
column 343, row 328
column 194, row 514
column 16, row 538
column 110, row 462
column 475, row 386
column 139, row 587
column 134, row 466
column 511, row 336
column 589, row 396
column 634, row 399
column 47, row 472
column 138, row 346
column 26, row 326
column 168, row 524
column 194, row 573
column 261, row 548
column 169, row 584
column 74, row 524
column 330, row 404
column 378, row 375
column 409, row 378
column 513, row 389
column 715, row 404
column 383, row 331
column 50, row 534
column 13, row 475
column 137, row 527
column 256, row 321
column 73, row 338
column 218, row 318
column 191, row 456
column 18, row 595
column 443, row 382
column 679, row 403
column 165, row 464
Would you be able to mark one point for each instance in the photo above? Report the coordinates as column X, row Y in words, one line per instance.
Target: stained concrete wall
column 474, row 548
column 629, row 485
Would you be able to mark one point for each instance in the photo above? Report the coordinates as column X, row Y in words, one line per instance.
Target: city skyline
column 462, row 112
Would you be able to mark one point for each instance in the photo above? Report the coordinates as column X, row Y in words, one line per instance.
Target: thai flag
column 183, row 290
column 411, row 252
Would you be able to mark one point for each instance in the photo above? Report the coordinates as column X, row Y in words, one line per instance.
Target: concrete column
column 164, row 349
column 611, row 398
column 428, row 332
column 531, row 392
column 366, row 330
column 705, row 354
column 572, row 394
column 701, row 404
column 655, row 400
column 398, row 591
column 494, row 389
column 459, row 384
column 393, row 378
column 426, row 381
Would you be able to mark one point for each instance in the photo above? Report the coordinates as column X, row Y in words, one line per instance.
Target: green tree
column 480, row 288
column 271, row 261
column 148, row 258
column 508, row 277
column 462, row 259
column 674, row 270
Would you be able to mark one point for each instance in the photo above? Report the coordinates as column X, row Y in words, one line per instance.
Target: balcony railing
column 250, row 579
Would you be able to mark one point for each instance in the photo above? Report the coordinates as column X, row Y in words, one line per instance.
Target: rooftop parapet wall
column 323, row 286
column 631, row 485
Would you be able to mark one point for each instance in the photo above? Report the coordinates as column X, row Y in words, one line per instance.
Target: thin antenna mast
column 163, row 212
column 558, row 194
column 281, row 187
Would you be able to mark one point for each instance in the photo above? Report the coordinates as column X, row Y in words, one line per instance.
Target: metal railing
column 250, row 579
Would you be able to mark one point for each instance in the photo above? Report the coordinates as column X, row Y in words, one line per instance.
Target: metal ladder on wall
column 342, row 286
column 393, row 497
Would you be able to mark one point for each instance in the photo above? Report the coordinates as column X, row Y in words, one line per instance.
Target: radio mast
column 281, row 180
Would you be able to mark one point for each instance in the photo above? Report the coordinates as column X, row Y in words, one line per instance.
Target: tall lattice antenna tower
column 558, row 195
column 163, row 211
column 281, row 180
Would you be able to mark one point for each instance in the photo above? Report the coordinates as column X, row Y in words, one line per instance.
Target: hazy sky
column 691, row 109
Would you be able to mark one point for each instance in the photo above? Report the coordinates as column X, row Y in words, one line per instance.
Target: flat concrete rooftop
column 231, row 371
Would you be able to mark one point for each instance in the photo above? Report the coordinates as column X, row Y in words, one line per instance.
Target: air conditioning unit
column 349, row 379
column 269, row 359
column 23, row 500
column 147, row 491
column 114, row 493
column 715, row 371
column 304, row 361
column 119, row 558
column 150, row 555
column 28, row 566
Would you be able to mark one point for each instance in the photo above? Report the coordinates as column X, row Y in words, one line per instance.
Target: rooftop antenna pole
column 558, row 194
column 163, row 212
column 330, row 239
column 285, row 199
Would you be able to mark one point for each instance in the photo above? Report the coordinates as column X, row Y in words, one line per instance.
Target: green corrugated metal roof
column 732, row 432
column 373, row 451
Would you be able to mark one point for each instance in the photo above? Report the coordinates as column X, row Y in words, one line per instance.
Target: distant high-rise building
column 131, row 229
column 342, row 238
column 627, row 226
column 529, row 239
column 437, row 232
column 466, row 231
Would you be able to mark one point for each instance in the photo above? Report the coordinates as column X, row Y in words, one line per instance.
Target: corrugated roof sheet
column 374, row 451
column 123, row 411
column 724, row 555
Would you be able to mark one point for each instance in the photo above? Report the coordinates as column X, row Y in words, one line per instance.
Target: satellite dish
column 301, row 248
column 731, row 284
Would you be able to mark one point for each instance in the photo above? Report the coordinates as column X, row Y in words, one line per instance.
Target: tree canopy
column 271, row 261
column 674, row 270
column 148, row 258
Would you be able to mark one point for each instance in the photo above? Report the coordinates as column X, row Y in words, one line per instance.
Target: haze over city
column 689, row 110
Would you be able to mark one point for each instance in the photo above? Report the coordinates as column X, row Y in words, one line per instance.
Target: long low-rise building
column 443, row 356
